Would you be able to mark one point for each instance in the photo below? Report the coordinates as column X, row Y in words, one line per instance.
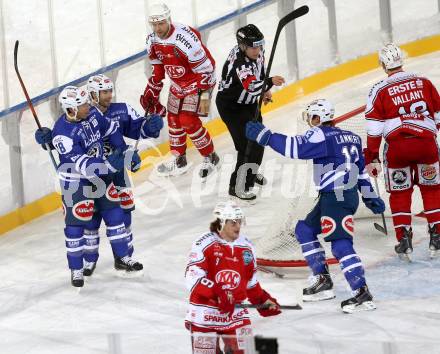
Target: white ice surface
column 41, row 313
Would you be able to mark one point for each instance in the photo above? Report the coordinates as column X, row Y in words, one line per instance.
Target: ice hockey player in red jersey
column 178, row 51
column 404, row 109
column 222, row 273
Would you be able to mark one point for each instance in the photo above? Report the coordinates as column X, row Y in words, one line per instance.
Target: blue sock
column 311, row 247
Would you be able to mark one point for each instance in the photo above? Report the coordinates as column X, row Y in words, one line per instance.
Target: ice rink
column 42, row 313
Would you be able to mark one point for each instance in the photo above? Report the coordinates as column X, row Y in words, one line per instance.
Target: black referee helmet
column 250, row 36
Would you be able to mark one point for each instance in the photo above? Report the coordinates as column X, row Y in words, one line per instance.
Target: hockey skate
column 128, row 266
column 260, row 179
column 175, row 166
column 434, row 241
column 89, row 268
column 244, row 196
column 77, row 278
column 361, row 301
column 404, row 248
column 321, row 288
column 209, row 164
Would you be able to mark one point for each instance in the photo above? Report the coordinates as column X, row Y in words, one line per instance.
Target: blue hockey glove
column 135, row 164
column 258, row 132
column 152, row 126
column 376, row 205
column 43, row 136
column 115, row 161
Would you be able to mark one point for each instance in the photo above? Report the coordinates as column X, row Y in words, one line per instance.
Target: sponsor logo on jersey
column 230, row 279
column 328, row 225
column 191, row 33
column 111, row 193
column 175, row 71
column 181, row 38
column 126, row 197
column 419, row 83
column 247, row 257
column 348, row 224
column 399, row 177
column 428, row 172
column 83, row 210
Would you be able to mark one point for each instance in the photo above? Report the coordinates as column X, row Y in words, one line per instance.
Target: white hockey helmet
column 391, row 56
column 97, row 83
column 72, row 97
column 228, row 210
column 322, row 108
column 158, row 12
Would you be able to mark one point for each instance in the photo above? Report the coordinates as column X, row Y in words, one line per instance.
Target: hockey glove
column 256, row 131
column 151, row 96
column 135, row 160
column 372, row 162
column 376, row 205
column 151, row 126
column 115, row 162
column 267, row 305
column 225, row 299
column 43, row 136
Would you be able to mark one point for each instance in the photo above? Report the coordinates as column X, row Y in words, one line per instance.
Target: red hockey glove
column 225, row 299
column 372, row 162
column 151, row 96
column 158, row 109
column 268, row 306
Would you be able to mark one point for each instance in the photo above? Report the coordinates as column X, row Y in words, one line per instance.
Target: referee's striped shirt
column 242, row 78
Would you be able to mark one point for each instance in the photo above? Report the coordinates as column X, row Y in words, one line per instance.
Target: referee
column 237, row 100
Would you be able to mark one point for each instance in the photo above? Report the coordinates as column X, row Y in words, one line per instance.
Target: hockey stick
column 146, row 117
column 301, row 11
column 263, row 307
column 378, row 227
column 29, row 102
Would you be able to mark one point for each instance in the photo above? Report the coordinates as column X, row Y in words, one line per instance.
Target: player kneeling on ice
column 221, row 274
column 341, row 150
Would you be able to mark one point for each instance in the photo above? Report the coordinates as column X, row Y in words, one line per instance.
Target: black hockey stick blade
column 282, row 307
column 300, row 11
column 380, row 228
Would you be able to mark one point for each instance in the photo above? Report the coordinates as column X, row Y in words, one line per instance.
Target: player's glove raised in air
column 267, row 305
column 43, row 137
column 256, row 131
column 151, row 126
column 376, row 205
column 115, row 161
column 372, row 162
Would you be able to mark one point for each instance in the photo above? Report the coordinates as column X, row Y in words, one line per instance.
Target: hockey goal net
column 279, row 248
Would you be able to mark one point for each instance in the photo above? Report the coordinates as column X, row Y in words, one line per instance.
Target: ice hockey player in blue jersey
column 131, row 125
column 339, row 172
column 85, row 178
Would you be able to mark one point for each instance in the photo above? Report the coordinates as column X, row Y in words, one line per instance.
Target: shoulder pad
column 149, row 41
column 315, row 135
column 63, row 144
column 206, row 239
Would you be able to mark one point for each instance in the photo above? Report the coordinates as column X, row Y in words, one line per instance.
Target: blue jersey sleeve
column 132, row 123
column 311, row 145
column 109, row 129
column 73, row 156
